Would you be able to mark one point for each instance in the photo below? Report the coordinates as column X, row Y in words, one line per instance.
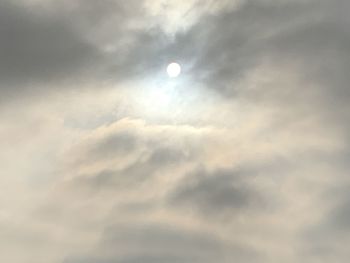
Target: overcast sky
column 243, row 158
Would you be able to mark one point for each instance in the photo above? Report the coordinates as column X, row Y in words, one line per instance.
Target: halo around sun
column 173, row 70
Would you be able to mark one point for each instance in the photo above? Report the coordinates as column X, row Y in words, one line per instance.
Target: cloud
column 39, row 47
column 245, row 161
column 162, row 243
column 137, row 158
column 217, row 194
column 50, row 46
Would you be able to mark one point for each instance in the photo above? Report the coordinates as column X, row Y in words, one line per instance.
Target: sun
column 173, row 70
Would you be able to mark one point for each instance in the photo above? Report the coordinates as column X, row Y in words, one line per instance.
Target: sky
column 244, row 157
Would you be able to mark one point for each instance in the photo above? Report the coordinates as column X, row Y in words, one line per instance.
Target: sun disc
column 173, row 70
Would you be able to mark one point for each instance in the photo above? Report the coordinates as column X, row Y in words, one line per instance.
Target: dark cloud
column 38, row 47
column 55, row 45
column 324, row 239
column 340, row 217
column 335, row 220
column 164, row 243
column 217, row 194
column 113, row 145
column 168, row 156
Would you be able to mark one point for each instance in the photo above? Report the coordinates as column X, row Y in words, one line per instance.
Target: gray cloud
column 38, row 47
column 164, row 243
column 116, row 144
column 217, row 194
column 54, row 45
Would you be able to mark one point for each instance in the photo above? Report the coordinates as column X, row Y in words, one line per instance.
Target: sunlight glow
column 173, row 70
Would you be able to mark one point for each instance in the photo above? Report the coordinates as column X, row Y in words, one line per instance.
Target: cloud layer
column 243, row 158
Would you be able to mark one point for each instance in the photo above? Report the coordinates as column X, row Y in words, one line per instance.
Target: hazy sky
column 243, row 158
